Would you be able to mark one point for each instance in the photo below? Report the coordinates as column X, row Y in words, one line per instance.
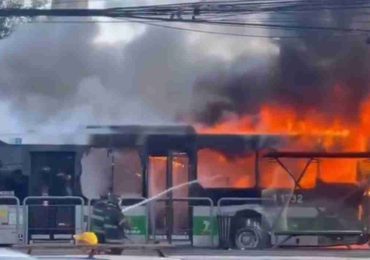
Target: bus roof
column 301, row 154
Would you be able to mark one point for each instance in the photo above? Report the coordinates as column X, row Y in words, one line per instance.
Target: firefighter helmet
column 86, row 238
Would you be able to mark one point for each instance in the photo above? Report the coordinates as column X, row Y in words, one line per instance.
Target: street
column 214, row 254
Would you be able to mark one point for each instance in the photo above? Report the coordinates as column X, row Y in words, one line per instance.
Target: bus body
column 139, row 162
column 325, row 214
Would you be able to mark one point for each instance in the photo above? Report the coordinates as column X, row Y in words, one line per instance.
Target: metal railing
column 17, row 212
column 43, row 199
column 136, row 200
column 237, row 199
column 89, row 213
column 208, row 201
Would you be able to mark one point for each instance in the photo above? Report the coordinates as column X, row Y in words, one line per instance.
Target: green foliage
column 8, row 24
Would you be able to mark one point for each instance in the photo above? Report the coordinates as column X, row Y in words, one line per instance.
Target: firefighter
column 97, row 219
column 108, row 221
column 114, row 221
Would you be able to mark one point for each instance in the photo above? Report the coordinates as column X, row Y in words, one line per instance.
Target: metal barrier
column 9, row 221
column 89, row 212
column 45, row 202
column 256, row 200
column 123, row 199
column 138, row 218
column 194, row 221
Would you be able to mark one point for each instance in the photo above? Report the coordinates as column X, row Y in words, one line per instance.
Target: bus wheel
column 251, row 236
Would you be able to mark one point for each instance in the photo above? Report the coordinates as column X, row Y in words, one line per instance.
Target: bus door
column 169, row 216
column 52, row 174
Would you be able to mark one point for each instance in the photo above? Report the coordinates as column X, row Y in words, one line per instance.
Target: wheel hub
column 248, row 239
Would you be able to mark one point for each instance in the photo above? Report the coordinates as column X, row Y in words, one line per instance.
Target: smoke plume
column 63, row 75
column 321, row 71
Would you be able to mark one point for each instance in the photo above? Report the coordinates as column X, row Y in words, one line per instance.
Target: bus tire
column 251, row 236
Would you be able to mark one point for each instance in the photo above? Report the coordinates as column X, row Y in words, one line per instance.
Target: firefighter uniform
column 113, row 224
column 108, row 221
column 97, row 220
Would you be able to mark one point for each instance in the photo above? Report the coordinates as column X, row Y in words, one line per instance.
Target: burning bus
column 267, row 197
column 261, row 194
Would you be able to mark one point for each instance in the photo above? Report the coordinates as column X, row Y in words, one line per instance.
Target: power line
column 225, row 33
column 274, row 37
column 172, row 27
column 160, row 12
column 250, row 24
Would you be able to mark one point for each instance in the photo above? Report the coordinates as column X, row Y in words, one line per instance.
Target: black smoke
column 324, row 71
column 52, row 74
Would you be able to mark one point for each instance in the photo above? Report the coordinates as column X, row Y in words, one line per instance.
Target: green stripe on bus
column 138, row 225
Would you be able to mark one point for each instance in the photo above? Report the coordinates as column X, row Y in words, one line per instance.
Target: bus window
column 96, row 173
column 14, row 183
column 127, row 173
column 338, row 170
column 105, row 170
column 363, row 170
column 52, row 173
column 216, row 170
column 273, row 175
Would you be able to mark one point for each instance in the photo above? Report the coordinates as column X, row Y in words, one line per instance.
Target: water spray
column 159, row 195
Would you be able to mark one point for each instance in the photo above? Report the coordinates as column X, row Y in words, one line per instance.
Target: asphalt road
column 188, row 253
column 212, row 254
column 291, row 254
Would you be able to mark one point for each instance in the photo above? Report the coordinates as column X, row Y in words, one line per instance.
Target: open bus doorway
column 52, row 174
column 169, row 220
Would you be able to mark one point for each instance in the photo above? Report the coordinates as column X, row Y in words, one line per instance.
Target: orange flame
column 311, row 131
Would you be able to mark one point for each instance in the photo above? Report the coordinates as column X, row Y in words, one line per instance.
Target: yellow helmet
column 86, row 238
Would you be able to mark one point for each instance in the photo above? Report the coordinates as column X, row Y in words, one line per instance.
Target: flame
column 310, row 131
column 274, row 120
column 216, row 171
column 157, row 173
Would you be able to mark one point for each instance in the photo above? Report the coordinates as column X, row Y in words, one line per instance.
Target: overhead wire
column 178, row 28
column 257, row 4
column 217, row 15
column 250, row 24
column 167, row 27
column 359, row 3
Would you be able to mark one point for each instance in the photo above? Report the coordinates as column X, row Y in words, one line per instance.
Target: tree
column 8, row 24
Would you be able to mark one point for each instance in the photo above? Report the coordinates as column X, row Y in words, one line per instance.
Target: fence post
column 17, row 220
